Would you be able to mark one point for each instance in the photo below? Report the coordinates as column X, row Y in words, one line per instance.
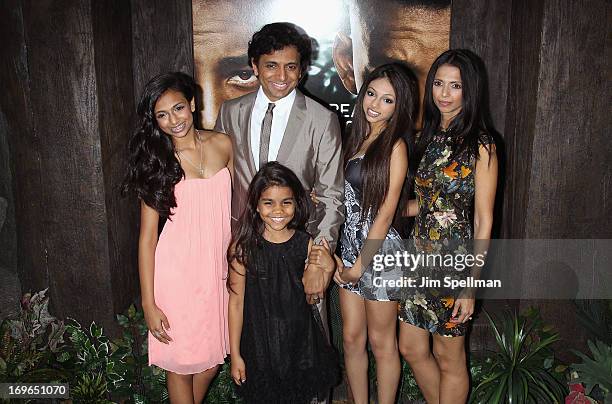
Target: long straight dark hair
column 248, row 235
column 469, row 129
column 153, row 169
column 377, row 159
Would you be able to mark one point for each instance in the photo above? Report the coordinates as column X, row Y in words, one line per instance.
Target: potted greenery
column 522, row 370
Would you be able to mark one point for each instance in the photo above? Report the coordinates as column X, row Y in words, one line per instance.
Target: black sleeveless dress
column 287, row 356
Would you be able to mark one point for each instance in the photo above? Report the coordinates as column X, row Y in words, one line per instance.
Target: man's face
column 413, row 35
column 278, row 72
column 221, row 37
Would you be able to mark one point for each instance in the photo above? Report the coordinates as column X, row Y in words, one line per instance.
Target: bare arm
column 384, row 217
column 156, row 320
column 485, row 179
column 485, row 183
column 237, row 275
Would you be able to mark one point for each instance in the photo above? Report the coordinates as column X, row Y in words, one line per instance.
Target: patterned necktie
column 264, row 138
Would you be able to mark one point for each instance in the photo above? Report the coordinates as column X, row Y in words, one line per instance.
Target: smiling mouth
column 373, row 113
column 279, row 86
column 179, row 128
column 278, row 219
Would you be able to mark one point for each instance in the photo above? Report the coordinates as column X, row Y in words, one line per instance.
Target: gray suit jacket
column 311, row 147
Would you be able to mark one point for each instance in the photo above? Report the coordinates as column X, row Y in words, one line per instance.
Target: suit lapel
column 294, row 126
column 244, row 120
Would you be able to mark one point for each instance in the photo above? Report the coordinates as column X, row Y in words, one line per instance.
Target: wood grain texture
column 568, row 180
column 524, row 65
column 162, row 39
column 484, row 28
column 12, row 69
column 570, row 165
column 23, row 143
column 113, row 66
column 70, row 204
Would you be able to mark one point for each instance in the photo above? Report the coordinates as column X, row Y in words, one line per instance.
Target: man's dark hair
column 276, row 36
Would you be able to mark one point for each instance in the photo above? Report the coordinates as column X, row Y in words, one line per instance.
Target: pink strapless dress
column 190, row 276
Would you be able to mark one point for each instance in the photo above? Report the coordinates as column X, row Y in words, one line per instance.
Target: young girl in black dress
column 279, row 352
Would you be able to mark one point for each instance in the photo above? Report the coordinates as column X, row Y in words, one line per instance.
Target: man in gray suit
column 279, row 123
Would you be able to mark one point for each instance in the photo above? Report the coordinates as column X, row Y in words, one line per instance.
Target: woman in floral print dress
column 455, row 182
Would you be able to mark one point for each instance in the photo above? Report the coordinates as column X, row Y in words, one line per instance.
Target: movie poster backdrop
column 351, row 37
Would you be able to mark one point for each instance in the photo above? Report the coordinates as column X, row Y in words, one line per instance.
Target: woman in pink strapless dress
column 183, row 174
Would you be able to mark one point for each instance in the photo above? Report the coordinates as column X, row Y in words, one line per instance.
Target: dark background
column 71, row 72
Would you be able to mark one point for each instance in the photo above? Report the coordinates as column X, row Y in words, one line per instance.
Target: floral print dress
column 444, row 188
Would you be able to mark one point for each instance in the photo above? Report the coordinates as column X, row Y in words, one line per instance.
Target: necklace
column 199, row 167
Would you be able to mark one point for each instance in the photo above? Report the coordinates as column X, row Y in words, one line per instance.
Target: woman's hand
column 464, row 307
column 338, row 271
column 238, row 369
column 352, row 274
column 157, row 323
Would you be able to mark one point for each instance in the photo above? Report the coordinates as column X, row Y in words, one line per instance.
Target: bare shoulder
column 487, row 153
column 217, row 139
column 399, row 148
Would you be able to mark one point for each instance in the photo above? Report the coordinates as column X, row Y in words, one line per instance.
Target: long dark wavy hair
column 248, row 235
column 153, row 169
column 469, row 129
column 377, row 159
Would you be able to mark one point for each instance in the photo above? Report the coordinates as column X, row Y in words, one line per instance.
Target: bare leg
column 180, row 388
column 201, row 381
column 454, row 379
column 354, row 335
column 382, row 321
column 414, row 346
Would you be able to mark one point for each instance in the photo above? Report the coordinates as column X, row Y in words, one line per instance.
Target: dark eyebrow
column 234, row 62
column 174, row 106
column 387, row 94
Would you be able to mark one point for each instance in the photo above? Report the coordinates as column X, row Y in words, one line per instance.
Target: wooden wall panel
column 11, row 67
column 568, row 182
column 113, row 61
column 68, row 104
column 70, row 204
column 22, row 141
column 484, row 28
column 523, row 74
column 162, row 39
column 572, row 146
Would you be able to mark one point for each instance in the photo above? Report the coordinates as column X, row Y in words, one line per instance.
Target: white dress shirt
column 280, row 117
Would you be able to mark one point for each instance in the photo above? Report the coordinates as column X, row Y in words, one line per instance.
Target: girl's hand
column 352, row 274
column 313, row 197
column 339, row 270
column 463, row 309
column 157, row 323
column 238, row 369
